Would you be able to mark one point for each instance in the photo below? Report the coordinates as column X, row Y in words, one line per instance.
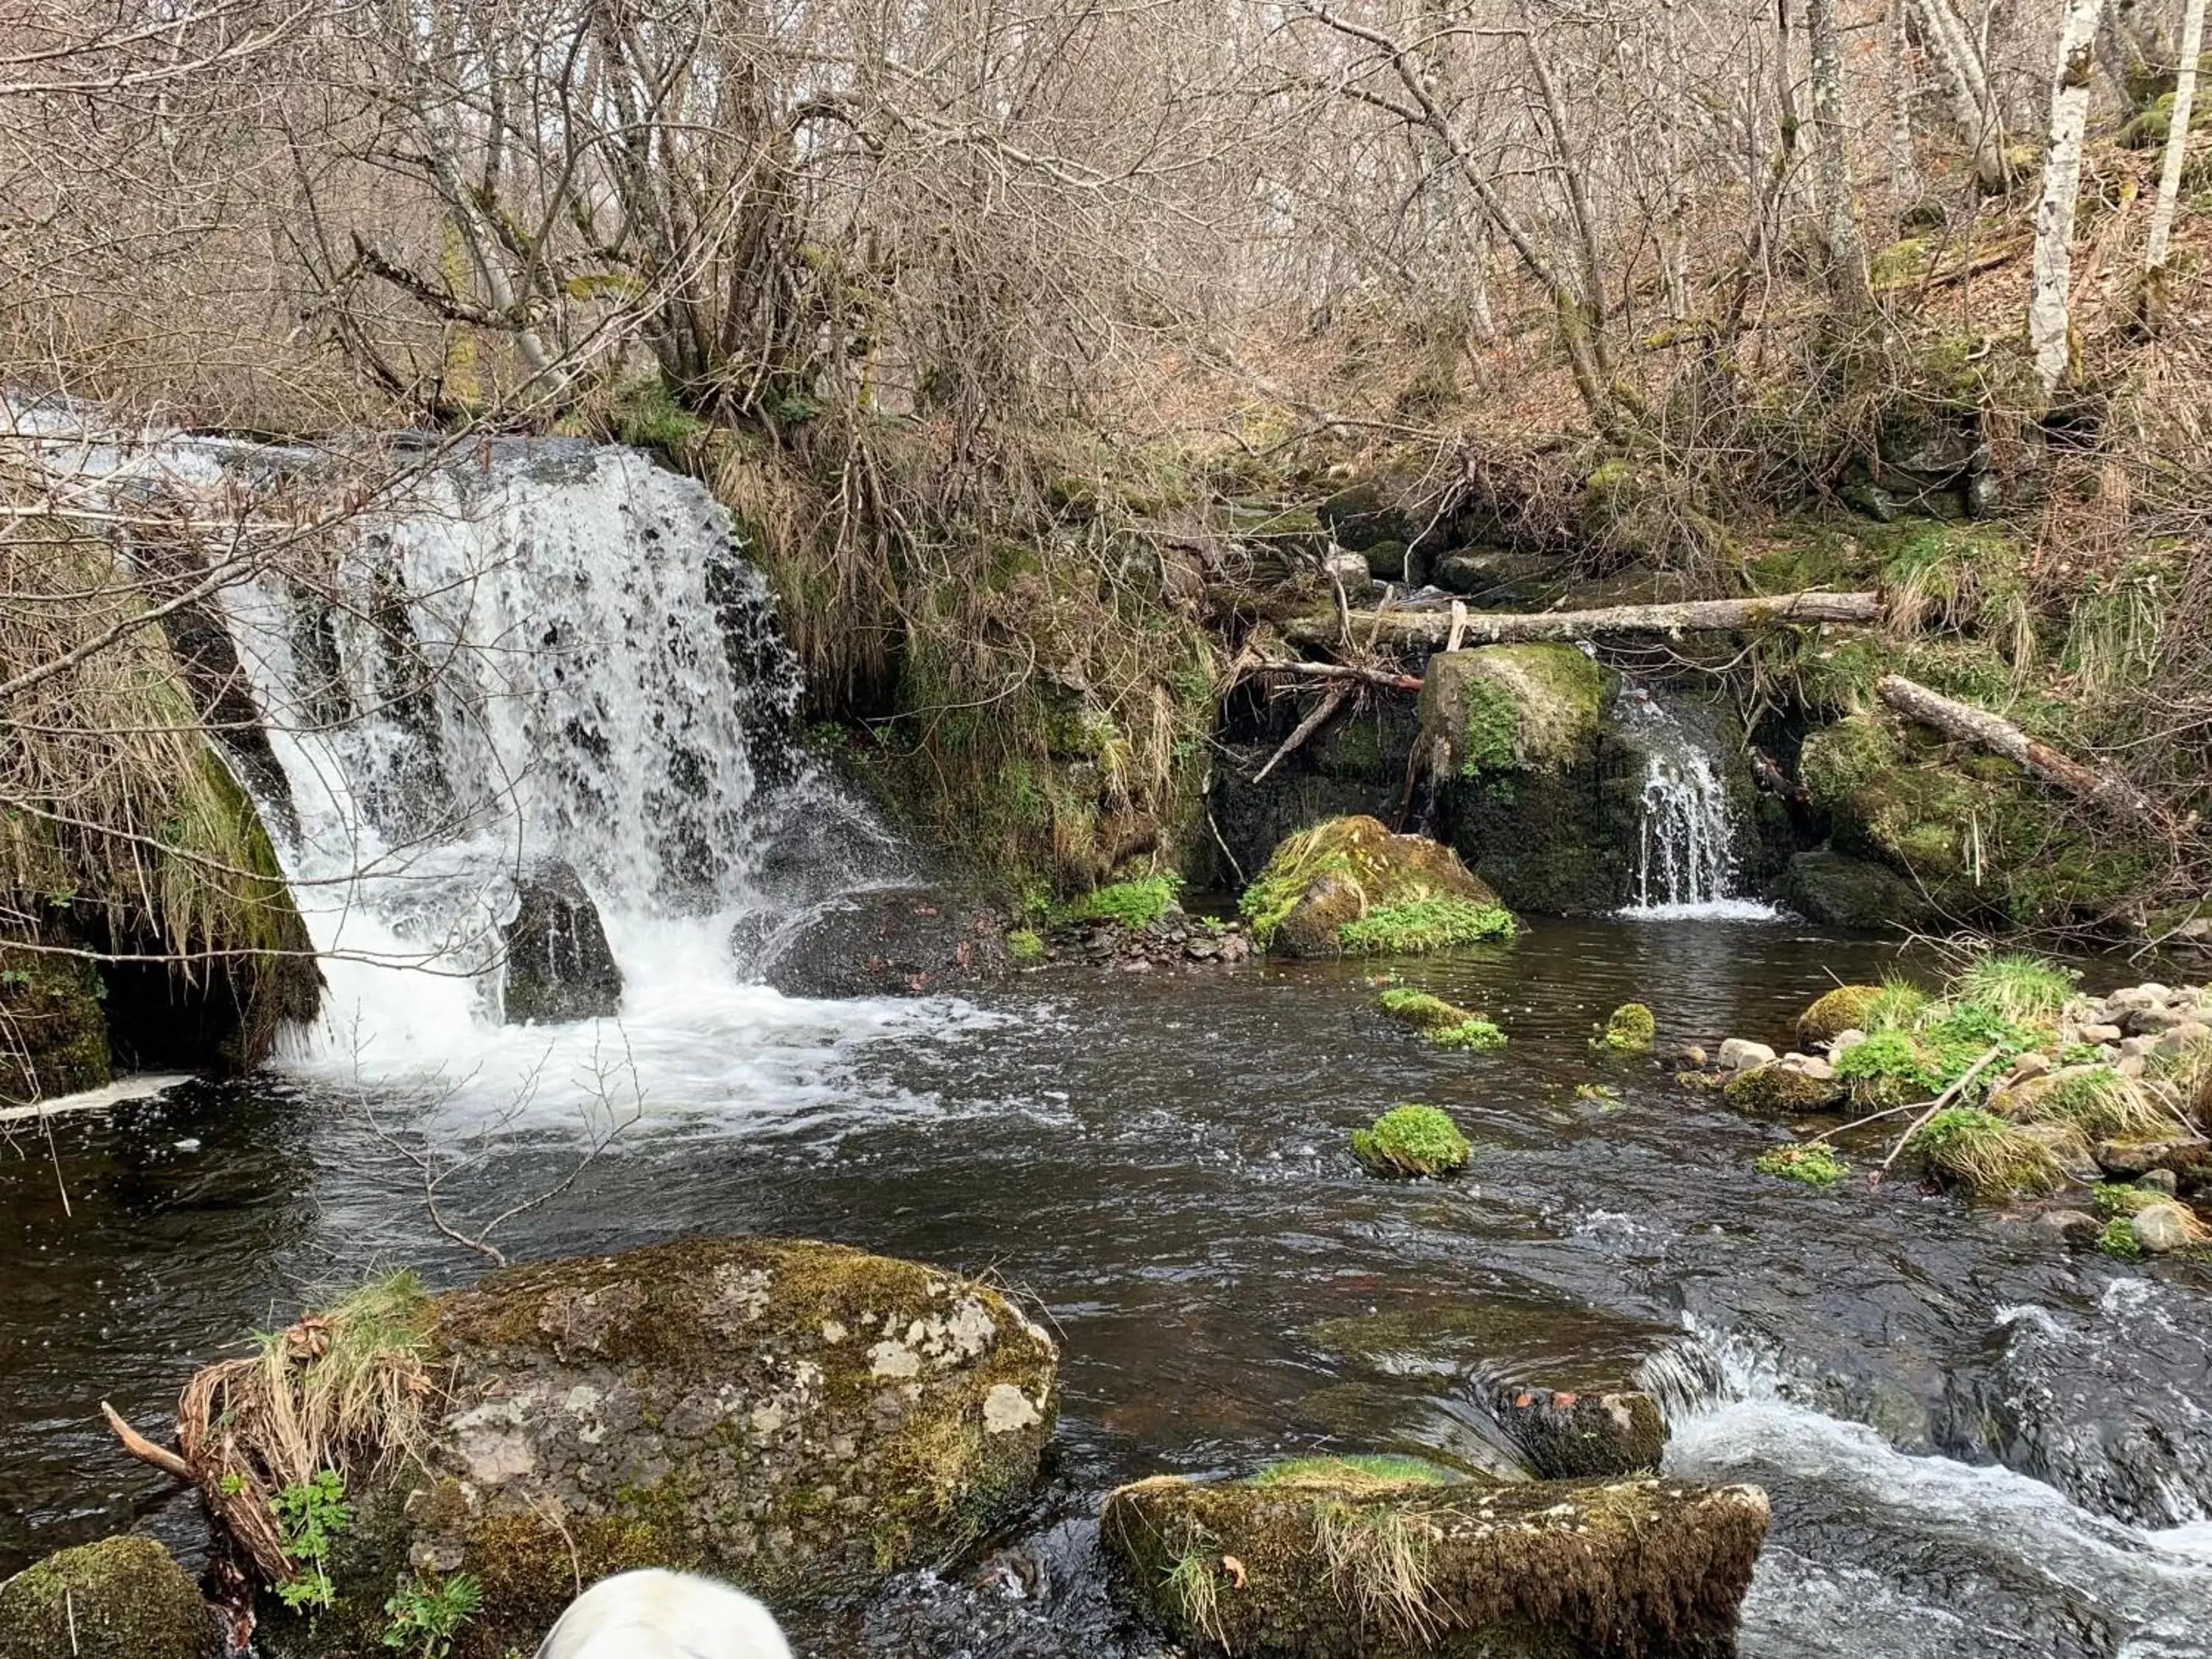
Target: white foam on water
column 1729, row 1420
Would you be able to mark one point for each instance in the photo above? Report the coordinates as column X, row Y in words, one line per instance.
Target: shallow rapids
column 1977, row 1443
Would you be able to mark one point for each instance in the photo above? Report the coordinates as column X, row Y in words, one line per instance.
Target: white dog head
column 654, row 1615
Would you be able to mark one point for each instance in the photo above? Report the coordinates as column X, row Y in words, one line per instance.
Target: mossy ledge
column 797, row 1418
column 1548, row 1570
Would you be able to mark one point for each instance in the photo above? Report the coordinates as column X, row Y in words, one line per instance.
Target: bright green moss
column 1024, row 948
column 1411, row 1140
column 1813, row 1163
column 1355, row 1471
column 1428, row 921
column 2118, row 1239
column 1630, row 1030
column 1440, row 1021
column 2113, row 1199
column 1134, row 904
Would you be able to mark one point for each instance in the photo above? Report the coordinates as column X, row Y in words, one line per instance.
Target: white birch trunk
column 1846, row 262
column 2048, row 312
column 2177, row 136
column 1904, row 187
column 1972, row 107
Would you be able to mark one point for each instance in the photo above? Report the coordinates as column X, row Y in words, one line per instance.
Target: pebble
column 2128, row 1064
column 2133, row 1048
column 2101, row 1034
column 2159, row 1180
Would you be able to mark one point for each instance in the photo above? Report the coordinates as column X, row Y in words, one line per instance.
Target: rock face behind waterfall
column 558, row 963
column 1318, row 1567
column 798, row 1419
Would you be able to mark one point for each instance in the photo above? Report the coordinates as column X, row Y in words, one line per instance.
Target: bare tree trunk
column 2177, row 137
column 1973, row 108
column 1433, row 628
column 1847, row 274
column 1904, row 183
column 2049, row 314
column 1968, row 723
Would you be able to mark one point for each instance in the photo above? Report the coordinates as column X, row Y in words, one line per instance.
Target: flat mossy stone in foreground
column 1545, row 1569
column 121, row 1598
column 798, row 1419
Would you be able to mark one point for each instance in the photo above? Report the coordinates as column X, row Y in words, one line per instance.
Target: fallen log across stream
column 1433, row 628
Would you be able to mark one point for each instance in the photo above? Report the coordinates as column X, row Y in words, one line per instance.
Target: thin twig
column 1330, row 702
column 1938, row 1103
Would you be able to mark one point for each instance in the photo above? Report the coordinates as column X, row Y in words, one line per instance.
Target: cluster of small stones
column 2123, row 1031
column 1173, row 940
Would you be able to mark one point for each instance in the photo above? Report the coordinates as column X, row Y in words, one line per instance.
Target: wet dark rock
column 559, row 966
column 1492, row 579
column 896, row 941
column 1838, row 891
column 1302, row 1566
column 1566, row 1434
column 2159, row 1180
column 122, row 1598
column 798, row 1419
column 2074, row 1226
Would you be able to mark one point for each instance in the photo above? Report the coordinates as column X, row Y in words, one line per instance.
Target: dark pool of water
column 1977, row 1443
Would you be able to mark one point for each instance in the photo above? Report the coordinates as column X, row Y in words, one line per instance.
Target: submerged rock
column 56, row 1031
column 1351, row 886
column 797, row 1418
column 1566, row 1435
column 121, row 1598
column 894, row 941
column 559, row 966
column 1320, row 1567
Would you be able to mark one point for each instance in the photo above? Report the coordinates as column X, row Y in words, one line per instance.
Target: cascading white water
column 551, row 651
column 1685, row 862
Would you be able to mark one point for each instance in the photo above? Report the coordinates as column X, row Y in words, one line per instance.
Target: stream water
column 1977, row 1443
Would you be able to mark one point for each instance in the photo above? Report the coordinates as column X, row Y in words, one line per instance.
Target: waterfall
column 1686, row 856
column 550, row 651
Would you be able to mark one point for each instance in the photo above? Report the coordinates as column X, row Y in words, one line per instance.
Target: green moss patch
column 1428, row 921
column 1847, row 1008
column 1134, row 904
column 53, row 1032
column 1411, row 1140
column 1630, row 1030
column 1812, row 1163
column 1987, row 1156
column 1513, row 708
column 122, row 1598
column 1355, row 1471
column 1442, row 1023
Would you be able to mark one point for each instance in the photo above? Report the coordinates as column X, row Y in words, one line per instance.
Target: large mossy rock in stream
column 1838, row 891
column 1974, row 837
column 798, row 1419
column 1349, row 886
column 896, row 941
column 53, row 1031
column 559, row 965
column 1322, row 1567
column 121, row 1598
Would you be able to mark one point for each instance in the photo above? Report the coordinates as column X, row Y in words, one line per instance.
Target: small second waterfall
column 1686, row 854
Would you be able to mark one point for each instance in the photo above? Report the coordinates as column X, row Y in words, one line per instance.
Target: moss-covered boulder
column 1830, row 1014
column 1444, row 1023
column 1411, row 1140
column 1320, row 1568
column 1349, row 886
column 56, row 1031
column 122, row 1598
column 798, row 1419
column 1838, row 891
column 1629, row 1029
column 1777, row 1090
column 1512, row 708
